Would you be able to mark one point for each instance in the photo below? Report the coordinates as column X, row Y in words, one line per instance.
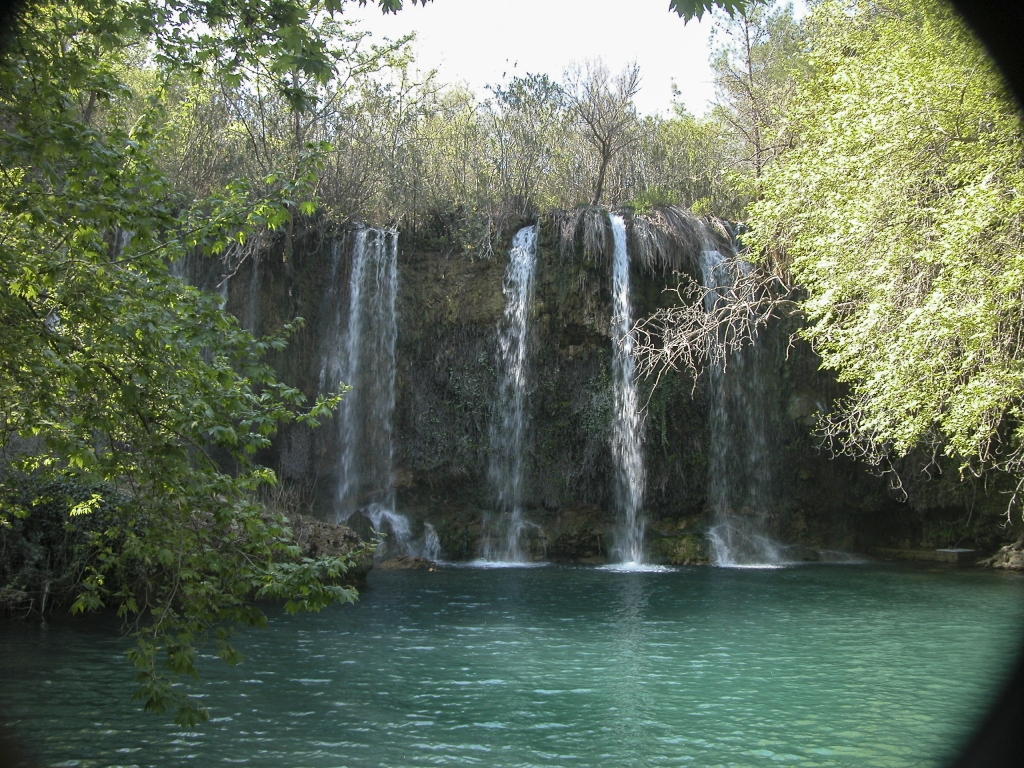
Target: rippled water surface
column 810, row 666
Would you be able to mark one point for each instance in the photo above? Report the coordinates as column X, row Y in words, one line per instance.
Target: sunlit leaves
column 899, row 209
column 114, row 374
column 85, row 507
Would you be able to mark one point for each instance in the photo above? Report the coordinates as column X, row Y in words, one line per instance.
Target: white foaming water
column 509, row 424
column 739, row 545
column 397, row 536
column 627, row 425
column 635, row 568
column 383, row 518
column 398, row 532
column 485, row 563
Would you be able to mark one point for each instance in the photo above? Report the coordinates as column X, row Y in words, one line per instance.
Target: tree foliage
column 699, row 161
column 119, row 379
column 525, row 118
column 899, row 209
column 405, row 148
column 757, row 65
column 602, row 105
column 695, row 9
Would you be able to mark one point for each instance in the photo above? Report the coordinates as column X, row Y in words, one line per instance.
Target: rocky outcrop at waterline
column 407, row 563
column 319, row 538
column 450, row 309
column 1009, row 557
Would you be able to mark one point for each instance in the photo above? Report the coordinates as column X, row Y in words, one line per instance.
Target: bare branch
column 710, row 321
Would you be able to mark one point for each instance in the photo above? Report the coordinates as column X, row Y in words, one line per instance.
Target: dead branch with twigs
column 709, row 323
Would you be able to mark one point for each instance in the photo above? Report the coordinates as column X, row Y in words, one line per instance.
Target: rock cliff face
column 449, row 306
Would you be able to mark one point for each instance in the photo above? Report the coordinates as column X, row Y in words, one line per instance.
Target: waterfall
column 510, row 422
column 222, row 290
column 364, row 359
column 431, row 543
column 627, row 424
column 331, row 363
column 739, row 479
column 178, row 269
column 252, row 307
column 366, row 456
column 210, row 275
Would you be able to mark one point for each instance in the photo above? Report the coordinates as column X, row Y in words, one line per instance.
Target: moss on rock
column 682, row 549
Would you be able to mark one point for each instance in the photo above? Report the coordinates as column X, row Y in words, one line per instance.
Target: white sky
column 481, row 42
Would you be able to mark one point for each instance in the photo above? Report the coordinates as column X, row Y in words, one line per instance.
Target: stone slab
column 932, row 555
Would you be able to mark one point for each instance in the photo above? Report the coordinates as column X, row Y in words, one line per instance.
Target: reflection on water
column 856, row 666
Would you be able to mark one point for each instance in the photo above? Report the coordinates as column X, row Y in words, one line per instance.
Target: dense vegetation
column 132, row 404
column 872, row 149
column 885, row 158
column 897, row 206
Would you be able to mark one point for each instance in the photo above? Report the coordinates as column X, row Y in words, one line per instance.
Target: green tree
column 524, row 118
column 603, row 107
column 899, row 210
column 695, row 9
column 117, row 377
column 757, row 66
column 697, row 159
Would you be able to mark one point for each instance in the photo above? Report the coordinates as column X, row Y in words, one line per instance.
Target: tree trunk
column 599, row 190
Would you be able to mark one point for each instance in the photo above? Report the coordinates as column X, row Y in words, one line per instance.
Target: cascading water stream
column 365, row 360
column 209, row 275
column 357, row 402
column 627, row 424
column 331, row 360
column 252, row 307
column 510, row 423
column 222, row 290
column 431, row 544
column 739, row 478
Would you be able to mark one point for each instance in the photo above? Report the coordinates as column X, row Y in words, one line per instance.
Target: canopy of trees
column 898, row 207
column 127, row 396
column 394, row 144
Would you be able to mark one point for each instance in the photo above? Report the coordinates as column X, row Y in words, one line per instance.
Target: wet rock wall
column 450, row 304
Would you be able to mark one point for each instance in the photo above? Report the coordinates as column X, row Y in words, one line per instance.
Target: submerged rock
column 1010, row 557
column 406, row 563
